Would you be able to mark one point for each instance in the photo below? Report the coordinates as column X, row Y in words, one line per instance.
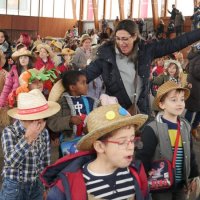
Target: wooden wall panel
column 5, row 22
column 54, row 27
column 24, row 23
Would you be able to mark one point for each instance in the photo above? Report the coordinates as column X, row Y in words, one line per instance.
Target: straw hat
column 2, row 59
column 57, row 44
column 168, row 87
column 21, row 52
column 84, row 37
column 33, row 106
column 66, row 51
column 56, row 91
column 105, row 119
column 170, row 61
column 46, row 47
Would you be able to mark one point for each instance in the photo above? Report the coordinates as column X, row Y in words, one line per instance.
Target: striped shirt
column 23, row 162
column 172, row 130
column 116, row 186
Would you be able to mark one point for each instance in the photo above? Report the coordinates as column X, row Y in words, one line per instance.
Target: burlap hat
column 56, row 91
column 165, row 88
column 84, row 37
column 33, row 106
column 66, row 51
column 21, row 52
column 106, row 119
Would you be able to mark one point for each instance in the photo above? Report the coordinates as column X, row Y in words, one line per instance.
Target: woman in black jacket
column 118, row 60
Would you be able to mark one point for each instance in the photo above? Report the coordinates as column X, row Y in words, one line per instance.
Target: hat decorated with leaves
column 106, row 119
column 168, row 87
column 33, row 106
column 31, row 75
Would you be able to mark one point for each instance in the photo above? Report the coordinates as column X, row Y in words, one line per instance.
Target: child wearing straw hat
column 66, row 57
column 26, row 147
column 24, row 61
column 105, row 168
column 159, row 139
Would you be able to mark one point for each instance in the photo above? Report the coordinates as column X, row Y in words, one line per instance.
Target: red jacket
column 67, row 183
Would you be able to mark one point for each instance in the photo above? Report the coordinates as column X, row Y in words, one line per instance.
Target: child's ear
column 71, row 88
column 99, row 146
column 161, row 105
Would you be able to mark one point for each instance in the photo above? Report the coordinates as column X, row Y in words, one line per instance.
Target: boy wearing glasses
column 105, row 168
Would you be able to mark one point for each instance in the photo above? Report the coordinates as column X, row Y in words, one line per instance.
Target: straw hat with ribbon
column 33, row 106
column 66, row 51
column 57, row 44
column 56, row 91
column 106, row 119
column 21, row 52
column 168, row 87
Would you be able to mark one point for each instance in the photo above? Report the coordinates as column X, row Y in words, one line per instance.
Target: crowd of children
column 46, row 83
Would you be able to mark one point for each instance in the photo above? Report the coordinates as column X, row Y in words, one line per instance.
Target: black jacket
column 105, row 65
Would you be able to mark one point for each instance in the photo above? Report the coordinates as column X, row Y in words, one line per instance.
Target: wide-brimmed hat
column 106, row 119
column 66, row 51
column 84, row 37
column 168, row 87
column 46, row 47
column 57, row 44
column 170, row 61
column 2, row 59
column 56, row 91
column 21, row 52
column 33, row 106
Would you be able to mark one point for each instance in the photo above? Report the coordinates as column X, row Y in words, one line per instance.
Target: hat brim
column 52, row 109
column 17, row 56
column 157, row 99
column 86, row 142
column 56, row 91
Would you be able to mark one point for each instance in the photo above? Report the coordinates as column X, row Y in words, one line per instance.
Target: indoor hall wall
column 43, row 26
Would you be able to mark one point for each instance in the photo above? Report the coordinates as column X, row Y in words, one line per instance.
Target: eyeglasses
column 123, row 39
column 124, row 143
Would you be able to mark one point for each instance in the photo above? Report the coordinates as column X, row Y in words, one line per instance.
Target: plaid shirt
column 22, row 161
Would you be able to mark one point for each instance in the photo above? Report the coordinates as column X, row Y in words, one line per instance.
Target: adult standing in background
column 118, row 60
column 193, row 102
column 179, row 22
column 173, row 12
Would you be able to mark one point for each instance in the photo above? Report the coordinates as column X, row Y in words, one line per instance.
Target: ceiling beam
column 155, row 13
column 121, row 9
column 95, row 12
column 74, row 8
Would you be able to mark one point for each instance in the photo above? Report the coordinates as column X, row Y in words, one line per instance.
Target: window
column 47, row 8
column 12, row 7
column 24, row 7
column 68, row 9
column 59, row 8
column 3, row 7
column 34, row 7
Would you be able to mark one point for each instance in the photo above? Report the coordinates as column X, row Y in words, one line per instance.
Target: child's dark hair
column 71, row 78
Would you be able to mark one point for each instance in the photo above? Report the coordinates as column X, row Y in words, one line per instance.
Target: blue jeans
column 189, row 116
column 14, row 190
